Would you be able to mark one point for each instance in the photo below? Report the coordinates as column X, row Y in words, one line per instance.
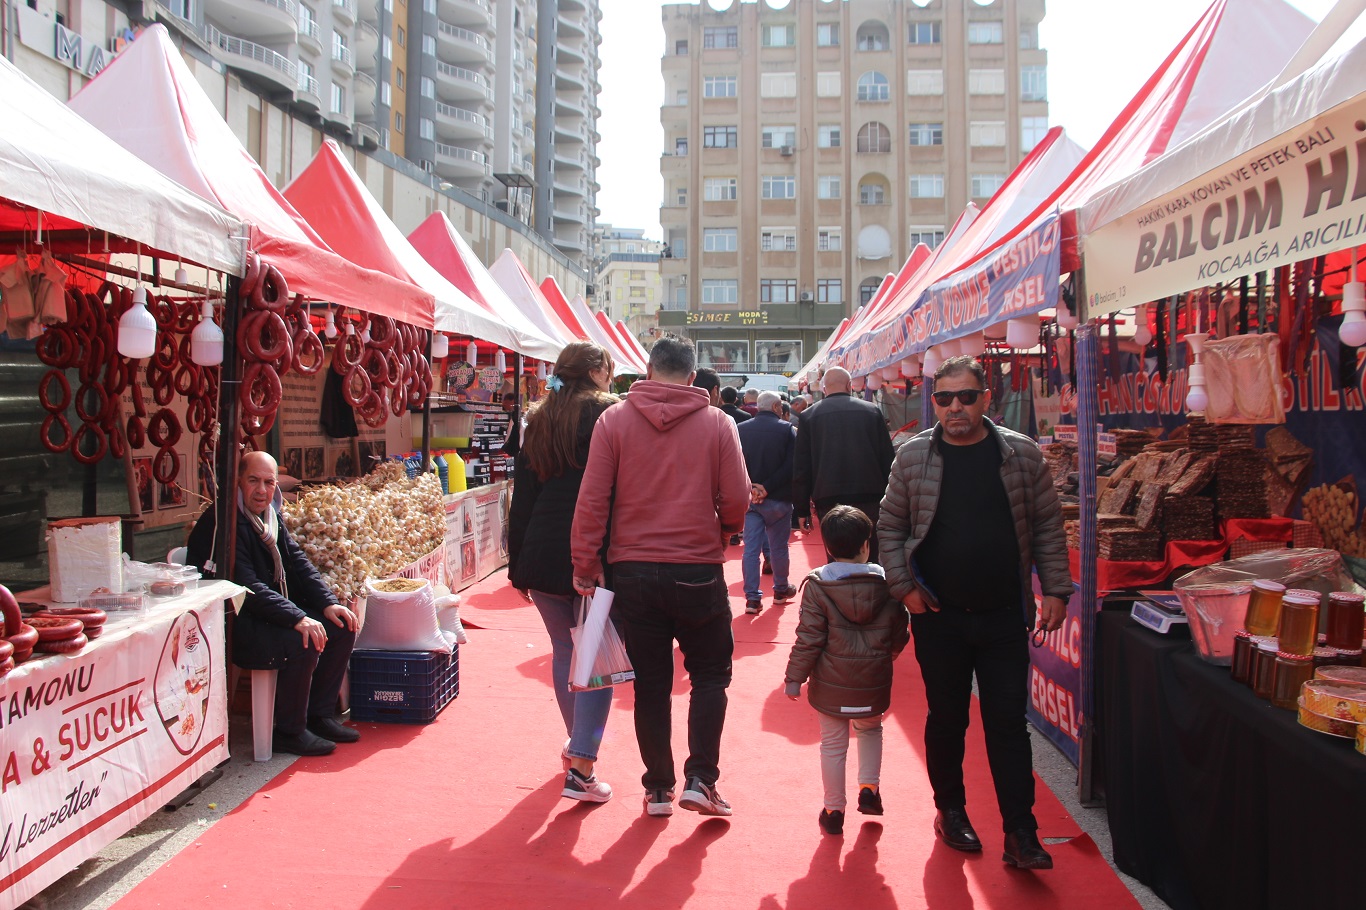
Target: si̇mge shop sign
column 92, row 744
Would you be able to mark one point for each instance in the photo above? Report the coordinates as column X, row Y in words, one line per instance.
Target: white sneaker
column 586, row 789
column 703, row 798
column 659, row 802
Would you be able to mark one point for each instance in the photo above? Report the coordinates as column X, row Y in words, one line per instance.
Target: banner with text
column 1288, row 200
column 92, row 744
column 476, row 533
column 1018, row 279
column 1055, row 680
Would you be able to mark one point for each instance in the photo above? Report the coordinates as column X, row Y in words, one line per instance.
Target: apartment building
column 809, row 149
column 626, row 283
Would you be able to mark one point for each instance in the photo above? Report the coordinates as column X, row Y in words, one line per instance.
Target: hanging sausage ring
column 45, row 391
column 261, row 390
column 55, row 419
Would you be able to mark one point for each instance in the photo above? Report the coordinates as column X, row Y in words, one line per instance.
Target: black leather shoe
column 305, row 743
column 832, row 822
column 954, row 829
column 1023, row 851
column 332, row 729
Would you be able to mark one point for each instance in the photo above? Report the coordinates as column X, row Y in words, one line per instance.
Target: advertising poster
column 92, row 744
column 1055, row 670
column 476, row 534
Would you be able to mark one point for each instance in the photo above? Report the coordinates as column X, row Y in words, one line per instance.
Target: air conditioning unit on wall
column 786, row 151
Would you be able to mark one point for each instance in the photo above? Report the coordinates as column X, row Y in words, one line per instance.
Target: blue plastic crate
column 403, row 687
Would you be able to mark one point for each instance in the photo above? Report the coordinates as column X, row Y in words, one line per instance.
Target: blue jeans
column 584, row 713
column 657, row 603
column 768, row 522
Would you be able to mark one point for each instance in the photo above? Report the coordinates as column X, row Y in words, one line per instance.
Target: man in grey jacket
column 970, row 507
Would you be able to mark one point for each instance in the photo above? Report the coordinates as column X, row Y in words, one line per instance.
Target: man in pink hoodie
column 665, row 468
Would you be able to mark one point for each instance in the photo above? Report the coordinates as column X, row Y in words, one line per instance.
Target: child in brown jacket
column 850, row 631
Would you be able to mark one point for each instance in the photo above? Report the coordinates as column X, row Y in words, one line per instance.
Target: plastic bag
column 400, row 615
column 599, row 658
column 1243, row 375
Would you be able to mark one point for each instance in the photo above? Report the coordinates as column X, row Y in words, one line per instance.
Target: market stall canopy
column 1285, row 160
column 78, row 178
column 508, row 271
column 622, row 337
column 601, row 326
column 149, row 102
column 559, row 304
column 328, row 192
column 632, row 342
column 440, row 244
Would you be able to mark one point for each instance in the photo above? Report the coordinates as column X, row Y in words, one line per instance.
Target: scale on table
column 1160, row 612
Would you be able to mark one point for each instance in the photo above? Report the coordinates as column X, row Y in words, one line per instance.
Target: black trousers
column 951, row 646
column 870, row 507
column 309, row 683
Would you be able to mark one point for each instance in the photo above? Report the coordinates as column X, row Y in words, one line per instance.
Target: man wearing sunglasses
column 970, row 507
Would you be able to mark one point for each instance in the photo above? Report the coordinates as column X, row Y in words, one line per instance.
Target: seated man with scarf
column 290, row 620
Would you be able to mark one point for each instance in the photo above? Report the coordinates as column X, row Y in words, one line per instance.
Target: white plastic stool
column 263, row 712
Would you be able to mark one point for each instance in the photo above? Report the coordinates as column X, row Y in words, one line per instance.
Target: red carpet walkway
column 466, row 812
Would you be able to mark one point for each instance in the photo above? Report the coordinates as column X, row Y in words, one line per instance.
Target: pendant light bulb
column 330, row 325
column 137, row 329
column 1142, row 334
column 182, row 277
column 540, row 371
column 500, row 361
column 441, row 346
column 472, row 353
column 1352, row 332
column 206, row 341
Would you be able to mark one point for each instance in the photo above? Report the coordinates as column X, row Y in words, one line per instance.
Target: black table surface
column 1216, row 798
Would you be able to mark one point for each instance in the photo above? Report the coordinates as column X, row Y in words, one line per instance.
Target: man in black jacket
column 290, row 620
column 730, row 404
column 843, row 454
column 767, row 444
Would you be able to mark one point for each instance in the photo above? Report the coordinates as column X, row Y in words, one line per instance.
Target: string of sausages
column 386, row 374
column 273, row 337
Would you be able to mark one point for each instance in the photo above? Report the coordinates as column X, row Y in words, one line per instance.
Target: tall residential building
column 809, row 149
column 625, row 279
column 496, row 97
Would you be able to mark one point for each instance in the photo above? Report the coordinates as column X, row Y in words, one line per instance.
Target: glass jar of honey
column 1264, row 668
column 1264, row 607
column 1291, row 672
column 1244, row 648
column 1346, row 617
column 1325, row 657
column 1299, row 624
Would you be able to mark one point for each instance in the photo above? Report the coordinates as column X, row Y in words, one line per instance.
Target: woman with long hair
column 548, row 473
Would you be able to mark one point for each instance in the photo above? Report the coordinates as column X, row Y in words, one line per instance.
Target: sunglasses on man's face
column 967, row 396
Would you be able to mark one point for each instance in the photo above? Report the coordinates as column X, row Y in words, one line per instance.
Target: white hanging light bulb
column 500, row 361
column 857, row 383
column 330, row 325
column 1142, row 334
column 540, row 371
column 1352, row 332
column 973, row 345
column 137, row 329
column 1196, row 397
column 874, row 381
column 206, row 341
column 441, row 345
column 909, row 368
column 933, row 358
column 182, row 278
column 890, row 374
column 471, row 352
column 1023, row 331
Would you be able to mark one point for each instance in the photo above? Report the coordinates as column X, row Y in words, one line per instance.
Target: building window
column 426, row 128
column 720, row 37
column 872, row 192
column 778, row 36
column 927, row 186
column 986, row 82
column 987, row 133
column 427, row 86
column 386, row 93
column 719, row 189
column 680, row 48
column 398, row 121
column 338, row 45
column 927, row 133
column 720, row 292
column 718, row 86
column 306, row 16
column 827, row 34
column 429, row 45
column 779, row 187
column 828, row 136
column 872, row 37
column 338, row 99
column 681, row 147
column 828, row 85
column 1033, row 83
column 719, row 137
column 873, row 87
column 829, row 290
column 1032, row 131
column 985, row 33
column 779, row 136
column 931, row 237
column 778, row 85
column 829, row 239
column 1029, row 38
column 778, row 290
column 924, row 33
column 925, row 82
column 400, row 80
column 720, row 240
column 386, row 48
column 384, row 139
column 867, row 289
column 984, row 186
column 401, row 37
column 682, row 196
column 306, row 76
column 874, row 138
column 780, row 240
column 828, row 186
column 681, row 97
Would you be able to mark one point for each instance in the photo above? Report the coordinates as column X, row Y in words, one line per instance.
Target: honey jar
column 1291, row 671
column 1264, row 607
column 1244, row 649
column 1346, row 617
column 1299, row 623
column 1264, row 668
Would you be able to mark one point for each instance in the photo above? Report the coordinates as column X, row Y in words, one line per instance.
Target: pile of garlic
column 371, row 528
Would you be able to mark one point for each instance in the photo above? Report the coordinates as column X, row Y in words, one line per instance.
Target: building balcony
column 568, row 186
column 573, row 131
column 250, row 57
column 569, row 159
column 458, row 123
column 567, row 53
column 456, row 163
column 310, row 36
column 344, row 10
column 307, row 94
column 569, row 27
column 367, row 10
column 566, row 81
column 458, row 84
column 573, row 5
column 573, row 244
column 573, row 215
column 364, row 91
column 268, row 20
column 475, row 13
column 343, row 60
column 566, row 108
column 458, row 45
column 367, row 44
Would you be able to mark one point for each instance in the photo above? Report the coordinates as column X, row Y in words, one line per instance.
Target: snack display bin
column 403, row 687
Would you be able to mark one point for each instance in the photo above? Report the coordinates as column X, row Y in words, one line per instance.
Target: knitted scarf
column 268, row 529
